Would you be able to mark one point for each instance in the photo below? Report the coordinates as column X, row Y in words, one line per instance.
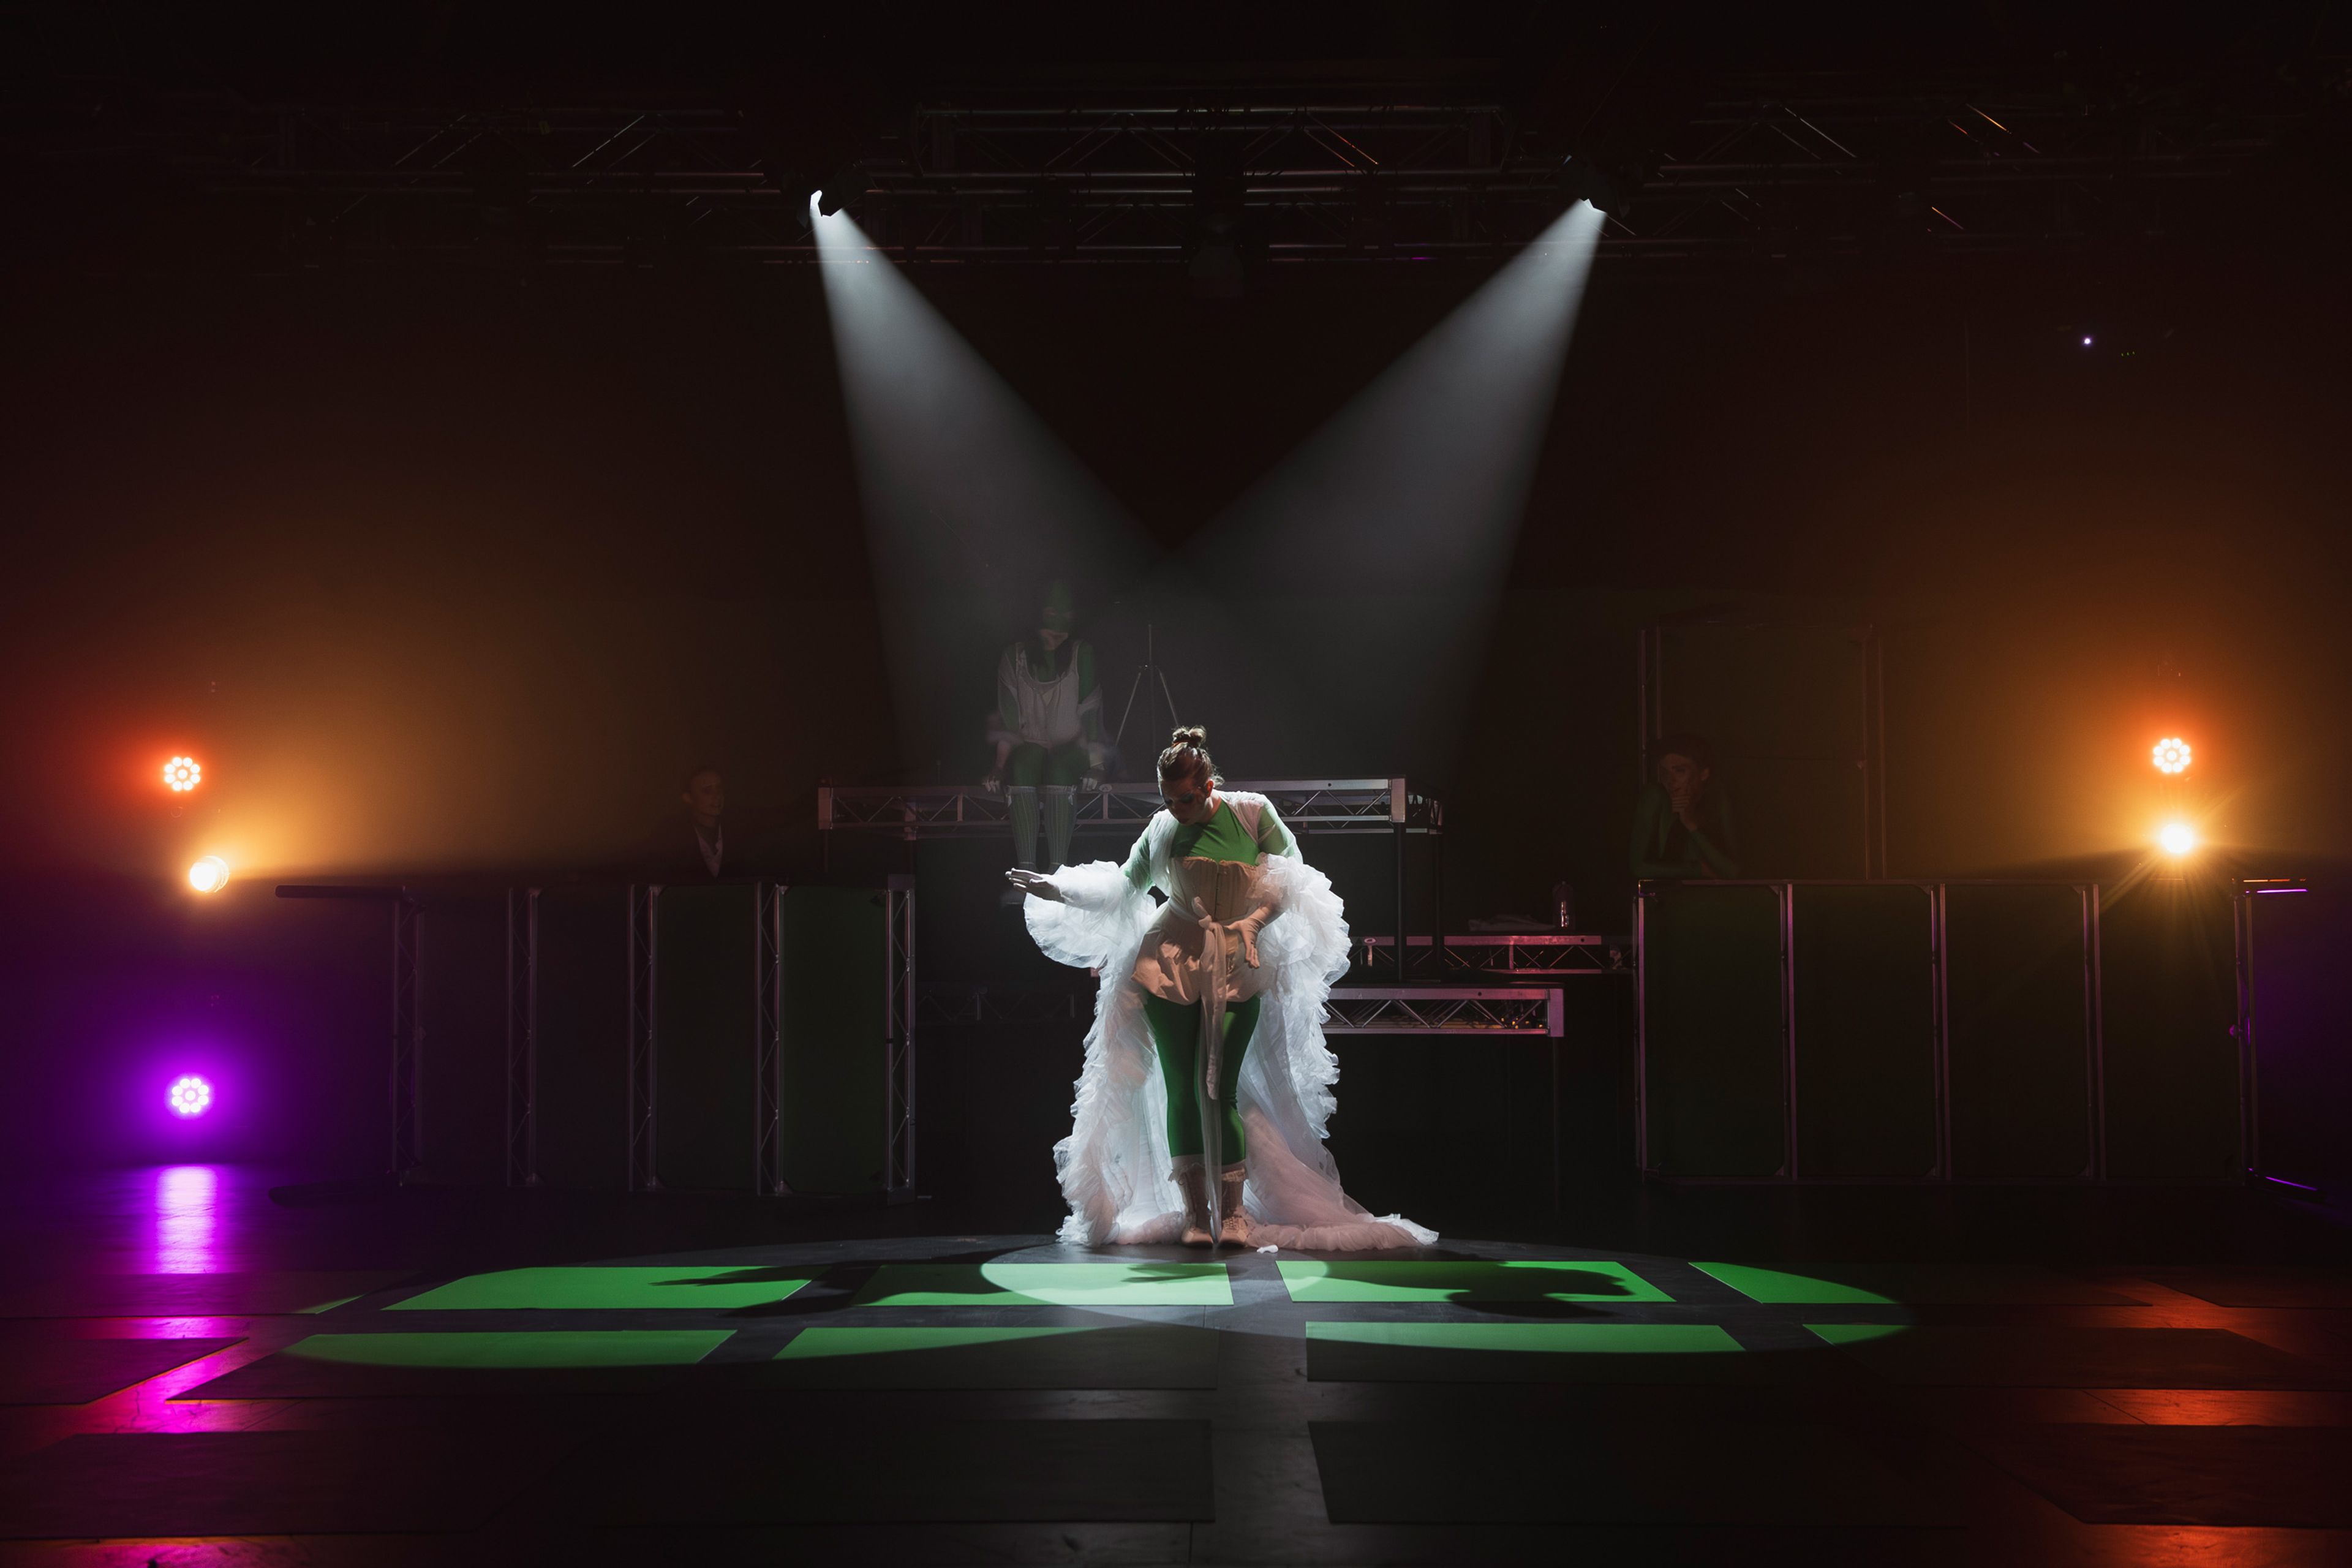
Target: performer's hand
column 1089, row 784
column 993, row 784
column 1247, row 930
column 1036, row 884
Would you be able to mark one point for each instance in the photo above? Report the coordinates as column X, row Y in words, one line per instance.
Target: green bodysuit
column 1176, row 1025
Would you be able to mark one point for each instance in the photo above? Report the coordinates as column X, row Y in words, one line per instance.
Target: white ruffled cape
column 1113, row 1166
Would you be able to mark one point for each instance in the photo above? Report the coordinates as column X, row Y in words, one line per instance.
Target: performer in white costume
column 1207, row 1057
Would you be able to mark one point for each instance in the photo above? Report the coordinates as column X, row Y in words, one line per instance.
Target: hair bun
column 1189, row 735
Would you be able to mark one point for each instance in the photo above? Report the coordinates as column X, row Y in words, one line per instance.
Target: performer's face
column 1188, row 800
column 1684, row 780
column 706, row 797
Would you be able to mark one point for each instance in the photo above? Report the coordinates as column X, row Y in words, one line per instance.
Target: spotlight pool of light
column 2177, row 837
column 2171, row 755
column 208, row 875
column 182, row 775
column 191, row 1096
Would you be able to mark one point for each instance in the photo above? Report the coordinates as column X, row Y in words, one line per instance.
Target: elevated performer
column 1048, row 732
column 1207, row 1057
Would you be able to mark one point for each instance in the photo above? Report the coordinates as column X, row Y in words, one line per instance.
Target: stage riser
column 1922, row 1032
column 705, row 991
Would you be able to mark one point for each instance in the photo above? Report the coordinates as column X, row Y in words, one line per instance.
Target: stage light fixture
column 1581, row 179
column 2086, row 340
column 182, row 775
column 191, row 1096
column 2171, row 755
column 208, row 875
column 833, row 193
column 2177, row 837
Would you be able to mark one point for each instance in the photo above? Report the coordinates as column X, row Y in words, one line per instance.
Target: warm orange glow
column 182, row 775
column 208, row 875
column 2171, row 755
column 2177, row 837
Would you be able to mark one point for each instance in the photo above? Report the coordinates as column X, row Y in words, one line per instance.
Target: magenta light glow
column 187, row 1216
column 191, row 1096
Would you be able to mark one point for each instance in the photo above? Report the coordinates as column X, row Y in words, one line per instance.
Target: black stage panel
column 836, row 966
column 705, row 1018
column 582, row 999
column 1452, row 1472
column 1865, row 1031
column 2167, row 999
column 997, row 1357
column 461, row 996
column 773, row 1472
column 1712, row 1027
column 265, row 1483
column 2021, row 1069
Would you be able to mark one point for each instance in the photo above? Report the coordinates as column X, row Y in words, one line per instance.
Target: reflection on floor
column 462, row 1377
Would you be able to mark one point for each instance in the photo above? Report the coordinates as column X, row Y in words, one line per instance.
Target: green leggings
column 1025, row 770
column 1176, row 1036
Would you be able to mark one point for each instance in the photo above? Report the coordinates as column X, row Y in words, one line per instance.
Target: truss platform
column 1506, row 952
column 1524, row 1011
column 958, row 811
column 1451, row 1010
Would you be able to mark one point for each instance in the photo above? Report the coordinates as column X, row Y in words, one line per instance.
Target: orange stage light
column 182, row 775
column 2171, row 755
column 208, row 875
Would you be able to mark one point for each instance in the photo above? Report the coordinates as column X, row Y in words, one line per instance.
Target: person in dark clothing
column 1682, row 826
column 705, row 799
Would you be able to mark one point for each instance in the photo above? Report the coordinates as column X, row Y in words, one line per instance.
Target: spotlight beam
column 972, row 503
column 1398, row 519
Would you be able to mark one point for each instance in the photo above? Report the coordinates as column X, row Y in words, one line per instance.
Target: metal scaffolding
column 1507, row 953
column 768, row 1040
column 644, row 1063
column 1767, row 165
column 407, row 1042
column 952, row 811
column 522, row 1037
column 898, row 1039
column 1443, row 1010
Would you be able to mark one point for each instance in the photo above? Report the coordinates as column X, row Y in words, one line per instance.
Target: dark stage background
column 452, row 574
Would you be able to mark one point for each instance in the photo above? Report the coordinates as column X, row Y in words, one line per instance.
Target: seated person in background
column 705, row 799
column 1682, row 828
column 1048, row 732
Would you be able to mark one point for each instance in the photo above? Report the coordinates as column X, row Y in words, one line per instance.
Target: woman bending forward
column 1200, row 1110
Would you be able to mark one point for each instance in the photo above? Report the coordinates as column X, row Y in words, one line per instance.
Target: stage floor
column 191, row 1372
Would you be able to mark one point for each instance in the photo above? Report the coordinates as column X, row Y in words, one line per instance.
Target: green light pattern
column 690, row 1288
column 1048, row 1284
column 1774, row 1287
column 824, row 1341
column 1467, row 1280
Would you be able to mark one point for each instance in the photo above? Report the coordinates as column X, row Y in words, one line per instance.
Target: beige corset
column 1174, row 963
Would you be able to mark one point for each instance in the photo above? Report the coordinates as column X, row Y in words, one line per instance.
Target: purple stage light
column 2086, row 340
column 191, row 1096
